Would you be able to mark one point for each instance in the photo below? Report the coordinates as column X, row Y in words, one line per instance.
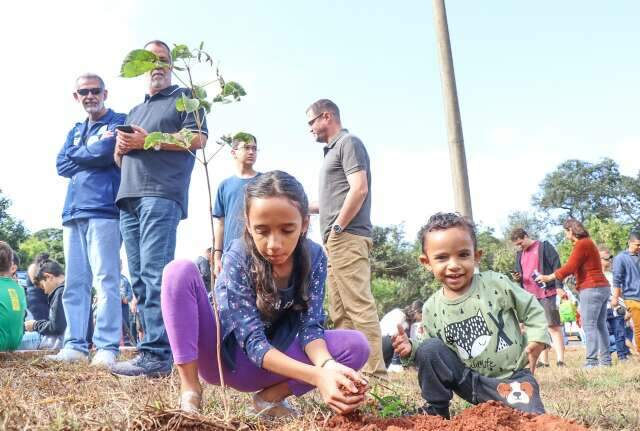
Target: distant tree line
column 597, row 194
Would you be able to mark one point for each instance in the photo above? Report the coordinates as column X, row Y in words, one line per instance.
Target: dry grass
column 35, row 395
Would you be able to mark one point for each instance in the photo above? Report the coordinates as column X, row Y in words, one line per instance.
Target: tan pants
column 634, row 309
column 351, row 303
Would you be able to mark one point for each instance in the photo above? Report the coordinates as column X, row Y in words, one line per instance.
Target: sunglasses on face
column 313, row 120
column 86, row 91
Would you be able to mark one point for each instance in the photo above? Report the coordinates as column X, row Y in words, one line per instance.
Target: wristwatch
column 337, row 228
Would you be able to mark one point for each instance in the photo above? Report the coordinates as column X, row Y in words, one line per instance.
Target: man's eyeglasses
column 607, row 258
column 86, row 91
column 313, row 120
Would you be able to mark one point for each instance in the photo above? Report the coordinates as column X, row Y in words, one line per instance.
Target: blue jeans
column 148, row 227
column 615, row 324
column 92, row 255
column 593, row 309
column 32, row 340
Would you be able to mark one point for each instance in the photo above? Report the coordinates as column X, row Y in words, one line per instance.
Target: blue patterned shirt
column 241, row 323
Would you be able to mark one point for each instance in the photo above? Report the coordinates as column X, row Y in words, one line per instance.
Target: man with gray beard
column 90, row 228
column 153, row 198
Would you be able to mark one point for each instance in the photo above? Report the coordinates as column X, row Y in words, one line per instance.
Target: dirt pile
column 490, row 416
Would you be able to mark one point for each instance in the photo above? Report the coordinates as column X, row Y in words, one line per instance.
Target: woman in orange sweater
column 593, row 289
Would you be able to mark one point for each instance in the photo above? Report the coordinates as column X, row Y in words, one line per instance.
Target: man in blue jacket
column 91, row 230
column 626, row 281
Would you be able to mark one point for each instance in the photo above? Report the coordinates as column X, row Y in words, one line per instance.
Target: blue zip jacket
column 94, row 178
column 626, row 275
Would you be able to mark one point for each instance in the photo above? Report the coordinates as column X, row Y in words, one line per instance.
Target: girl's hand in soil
column 534, row 348
column 336, row 385
column 400, row 342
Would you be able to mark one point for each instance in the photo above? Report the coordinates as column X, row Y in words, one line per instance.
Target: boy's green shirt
column 482, row 326
column 12, row 308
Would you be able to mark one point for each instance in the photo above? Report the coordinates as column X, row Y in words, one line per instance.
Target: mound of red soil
column 490, row 416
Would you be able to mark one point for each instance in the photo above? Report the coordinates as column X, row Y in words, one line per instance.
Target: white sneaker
column 278, row 409
column 67, row 355
column 190, row 402
column 395, row 368
column 103, row 359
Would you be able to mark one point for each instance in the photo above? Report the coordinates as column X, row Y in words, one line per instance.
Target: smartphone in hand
column 125, row 128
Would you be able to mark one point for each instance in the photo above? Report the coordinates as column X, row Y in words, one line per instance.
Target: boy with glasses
column 229, row 206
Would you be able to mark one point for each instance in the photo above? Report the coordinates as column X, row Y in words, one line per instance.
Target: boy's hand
column 534, row 348
column 400, row 342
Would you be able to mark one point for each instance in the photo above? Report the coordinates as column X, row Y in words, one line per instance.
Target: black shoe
column 541, row 364
column 145, row 364
column 430, row 410
column 560, row 364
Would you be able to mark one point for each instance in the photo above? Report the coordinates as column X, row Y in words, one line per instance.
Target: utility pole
column 462, row 196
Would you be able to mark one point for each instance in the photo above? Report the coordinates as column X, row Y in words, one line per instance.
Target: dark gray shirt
column 343, row 156
column 164, row 174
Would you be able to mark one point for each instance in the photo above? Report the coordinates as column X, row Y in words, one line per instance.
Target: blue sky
column 538, row 82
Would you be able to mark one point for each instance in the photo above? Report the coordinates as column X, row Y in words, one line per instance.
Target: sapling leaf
column 221, row 99
column 206, row 105
column 225, row 140
column 180, row 51
column 186, row 104
column 233, row 89
column 155, row 138
column 199, row 92
column 138, row 62
column 186, row 136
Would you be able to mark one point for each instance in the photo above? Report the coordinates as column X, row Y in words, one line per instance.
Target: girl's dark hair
column 6, row 256
column 444, row 221
column 40, row 257
column 277, row 184
column 577, row 229
column 47, row 266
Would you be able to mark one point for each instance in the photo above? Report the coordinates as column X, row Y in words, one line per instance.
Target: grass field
column 35, row 395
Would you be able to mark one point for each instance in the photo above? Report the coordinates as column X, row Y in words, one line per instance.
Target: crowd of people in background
column 482, row 335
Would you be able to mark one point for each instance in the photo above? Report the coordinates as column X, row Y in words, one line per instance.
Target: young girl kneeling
column 270, row 294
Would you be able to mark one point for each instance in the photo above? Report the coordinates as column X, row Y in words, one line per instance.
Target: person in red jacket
column 593, row 289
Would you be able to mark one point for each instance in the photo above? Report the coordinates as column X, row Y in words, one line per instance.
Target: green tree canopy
column 12, row 230
column 608, row 233
column 582, row 189
column 497, row 255
column 45, row 240
column 532, row 222
column 398, row 278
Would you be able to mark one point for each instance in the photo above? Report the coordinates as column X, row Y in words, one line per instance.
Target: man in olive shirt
column 345, row 208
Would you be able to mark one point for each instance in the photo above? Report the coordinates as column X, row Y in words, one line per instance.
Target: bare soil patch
column 490, row 416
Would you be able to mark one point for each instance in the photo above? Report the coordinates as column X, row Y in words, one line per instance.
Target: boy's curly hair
column 444, row 221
